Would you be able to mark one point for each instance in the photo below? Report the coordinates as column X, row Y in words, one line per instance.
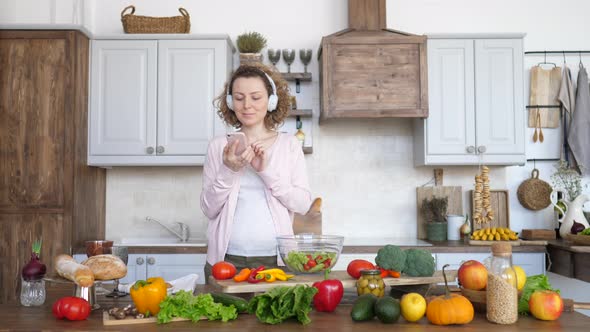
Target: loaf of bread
column 106, row 267
column 67, row 267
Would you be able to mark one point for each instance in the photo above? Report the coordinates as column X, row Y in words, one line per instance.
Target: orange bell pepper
column 148, row 294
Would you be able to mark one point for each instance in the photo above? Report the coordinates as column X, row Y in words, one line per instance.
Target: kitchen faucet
column 184, row 231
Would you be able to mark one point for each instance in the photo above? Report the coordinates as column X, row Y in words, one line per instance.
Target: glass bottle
column 32, row 292
column 501, row 291
column 299, row 134
column 370, row 282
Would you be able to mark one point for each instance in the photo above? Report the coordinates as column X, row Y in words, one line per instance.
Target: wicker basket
column 146, row 24
column 533, row 193
column 581, row 240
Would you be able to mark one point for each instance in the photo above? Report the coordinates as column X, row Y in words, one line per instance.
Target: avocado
column 363, row 308
column 387, row 309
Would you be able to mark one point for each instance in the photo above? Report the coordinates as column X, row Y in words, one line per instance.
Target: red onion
column 35, row 269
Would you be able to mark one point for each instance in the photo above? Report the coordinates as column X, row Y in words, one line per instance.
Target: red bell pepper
column 329, row 295
column 252, row 277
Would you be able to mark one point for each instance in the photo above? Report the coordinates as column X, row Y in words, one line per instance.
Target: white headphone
column 273, row 99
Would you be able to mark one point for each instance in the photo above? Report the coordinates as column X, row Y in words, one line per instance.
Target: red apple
column 473, row 275
column 546, row 305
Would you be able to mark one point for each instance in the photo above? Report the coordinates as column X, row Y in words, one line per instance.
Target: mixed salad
column 310, row 262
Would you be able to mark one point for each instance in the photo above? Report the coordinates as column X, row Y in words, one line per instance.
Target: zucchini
column 239, row 303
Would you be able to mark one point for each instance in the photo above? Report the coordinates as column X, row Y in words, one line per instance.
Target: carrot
column 243, row 275
column 394, row 274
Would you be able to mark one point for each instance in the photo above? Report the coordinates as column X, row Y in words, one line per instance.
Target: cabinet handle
column 151, row 261
column 470, row 149
column 481, row 149
column 160, row 149
column 139, row 261
column 150, row 150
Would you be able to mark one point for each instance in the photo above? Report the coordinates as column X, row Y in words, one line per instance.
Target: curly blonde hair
column 272, row 120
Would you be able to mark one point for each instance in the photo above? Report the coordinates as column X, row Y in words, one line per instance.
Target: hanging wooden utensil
column 535, row 134
column 534, row 193
column 541, row 137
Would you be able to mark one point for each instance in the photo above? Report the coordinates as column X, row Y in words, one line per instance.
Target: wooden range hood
column 369, row 71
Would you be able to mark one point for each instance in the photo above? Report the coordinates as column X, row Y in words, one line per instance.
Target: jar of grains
column 502, row 292
column 370, row 282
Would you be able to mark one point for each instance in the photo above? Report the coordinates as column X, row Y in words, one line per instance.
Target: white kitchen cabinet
column 167, row 266
column 476, row 102
column 151, row 101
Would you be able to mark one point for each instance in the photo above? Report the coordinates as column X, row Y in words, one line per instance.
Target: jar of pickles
column 370, row 282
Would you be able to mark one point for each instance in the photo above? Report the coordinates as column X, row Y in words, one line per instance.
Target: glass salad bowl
column 309, row 253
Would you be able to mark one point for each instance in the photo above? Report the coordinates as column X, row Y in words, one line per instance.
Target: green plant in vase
column 250, row 44
column 434, row 211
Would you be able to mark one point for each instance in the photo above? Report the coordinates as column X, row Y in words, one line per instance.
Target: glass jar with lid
column 502, row 291
column 370, row 282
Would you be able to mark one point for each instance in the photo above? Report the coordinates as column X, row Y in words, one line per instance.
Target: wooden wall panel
column 17, row 234
column 46, row 188
column 32, row 100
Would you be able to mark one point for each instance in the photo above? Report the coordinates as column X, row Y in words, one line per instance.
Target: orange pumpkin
column 449, row 308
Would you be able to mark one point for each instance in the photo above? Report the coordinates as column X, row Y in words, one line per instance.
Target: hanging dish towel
column 568, row 102
column 545, row 84
column 578, row 137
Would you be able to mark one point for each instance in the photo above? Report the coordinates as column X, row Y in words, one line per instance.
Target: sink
column 161, row 242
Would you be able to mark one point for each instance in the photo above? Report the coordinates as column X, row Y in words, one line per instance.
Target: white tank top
column 253, row 230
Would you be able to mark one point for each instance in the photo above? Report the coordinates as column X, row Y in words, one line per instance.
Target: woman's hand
column 233, row 162
column 260, row 161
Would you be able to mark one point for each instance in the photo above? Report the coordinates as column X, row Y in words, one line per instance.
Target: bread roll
column 67, row 267
column 106, row 267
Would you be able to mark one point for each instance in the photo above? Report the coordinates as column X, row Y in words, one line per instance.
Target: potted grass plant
column 434, row 211
column 250, row 44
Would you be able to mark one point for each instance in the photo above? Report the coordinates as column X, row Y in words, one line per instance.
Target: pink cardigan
column 287, row 191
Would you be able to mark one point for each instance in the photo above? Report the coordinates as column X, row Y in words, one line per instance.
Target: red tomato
column 356, row 266
column 71, row 308
column 223, row 270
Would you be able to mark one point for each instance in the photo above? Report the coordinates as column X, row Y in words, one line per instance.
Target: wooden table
column 18, row 318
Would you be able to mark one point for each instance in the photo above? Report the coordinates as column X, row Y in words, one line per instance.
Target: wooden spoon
column 535, row 134
column 541, row 137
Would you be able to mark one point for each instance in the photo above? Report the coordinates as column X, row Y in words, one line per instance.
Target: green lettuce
column 533, row 283
column 186, row 305
column 283, row 302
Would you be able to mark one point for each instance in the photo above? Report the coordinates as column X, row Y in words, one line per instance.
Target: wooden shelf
column 302, row 77
column 308, row 149
column 304, row 113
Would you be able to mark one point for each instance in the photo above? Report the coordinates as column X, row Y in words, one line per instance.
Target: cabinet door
column 174, row 266
column 136, row 268
column 531, row 263
column 186, row 89
column 499, row 95
column 450, row 128
column 123, row 97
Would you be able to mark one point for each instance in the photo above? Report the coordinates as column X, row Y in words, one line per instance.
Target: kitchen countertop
column 18, row 318
column 356, row 246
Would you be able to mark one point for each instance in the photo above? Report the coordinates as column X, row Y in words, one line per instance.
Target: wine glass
column 289, row 57
column 123, row 254
column 274, row 56
column 305, row 56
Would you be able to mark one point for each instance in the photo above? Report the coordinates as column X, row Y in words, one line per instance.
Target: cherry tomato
column 223, row 270
column 71, row 308
column 356, row 266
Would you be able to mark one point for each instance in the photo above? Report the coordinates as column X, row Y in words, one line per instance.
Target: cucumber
column 226, row 299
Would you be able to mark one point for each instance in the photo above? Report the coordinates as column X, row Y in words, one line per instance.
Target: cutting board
column 110, row 320
column 455, row 203
column 514, row 243
column 230, row 286
column 500, row 204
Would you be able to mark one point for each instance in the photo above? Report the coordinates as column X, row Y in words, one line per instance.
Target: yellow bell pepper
column 147, row 295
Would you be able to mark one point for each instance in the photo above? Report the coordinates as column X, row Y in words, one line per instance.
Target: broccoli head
column 419, row 263
column 391, row 257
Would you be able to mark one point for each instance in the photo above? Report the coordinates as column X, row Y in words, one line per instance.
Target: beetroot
column 35, row 269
